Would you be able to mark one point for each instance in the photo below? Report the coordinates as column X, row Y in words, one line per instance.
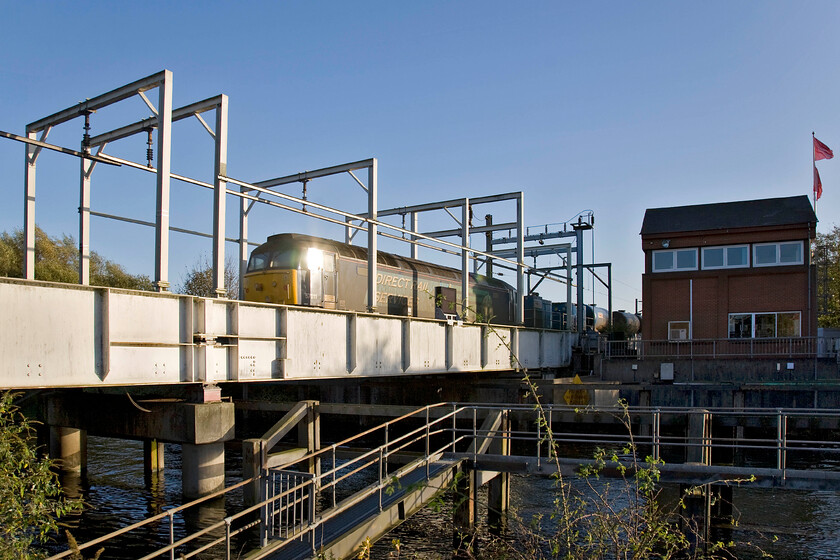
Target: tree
column 827, row 261
column 199, row 279
column 31, row 500
column 57, row 260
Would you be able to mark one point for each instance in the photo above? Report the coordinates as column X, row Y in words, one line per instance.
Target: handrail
column 792, row 346
column 779, row 425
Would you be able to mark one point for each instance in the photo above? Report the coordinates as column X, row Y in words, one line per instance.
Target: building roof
column 766, row 212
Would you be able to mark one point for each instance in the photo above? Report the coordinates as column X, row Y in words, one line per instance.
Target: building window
column 765, row 325
column 679, row 330
column 674, row 259
column 740, row 325
column 735, row 256
column 778, row 254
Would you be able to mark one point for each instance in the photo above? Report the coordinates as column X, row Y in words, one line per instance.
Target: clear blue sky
column 610, row 106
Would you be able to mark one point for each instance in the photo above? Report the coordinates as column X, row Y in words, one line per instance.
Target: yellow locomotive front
column 282, row 270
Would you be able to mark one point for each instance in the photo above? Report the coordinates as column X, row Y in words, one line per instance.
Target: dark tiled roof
column 725, row 215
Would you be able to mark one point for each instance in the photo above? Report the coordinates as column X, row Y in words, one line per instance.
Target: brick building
column 729, row 270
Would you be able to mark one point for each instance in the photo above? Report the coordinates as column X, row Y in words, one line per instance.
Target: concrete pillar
column 463, row 514
column 69, row 447
column 699, row 437
column 153, row 461
column 202, row 469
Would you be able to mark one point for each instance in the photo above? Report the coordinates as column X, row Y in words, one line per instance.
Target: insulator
column 150, row 154
column 86, row 135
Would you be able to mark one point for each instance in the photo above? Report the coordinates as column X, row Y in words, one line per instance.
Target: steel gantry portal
column 248, row 192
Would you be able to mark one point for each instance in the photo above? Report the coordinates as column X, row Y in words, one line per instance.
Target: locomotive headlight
column 314, row 259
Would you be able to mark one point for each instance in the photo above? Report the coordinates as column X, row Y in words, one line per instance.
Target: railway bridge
column 105, row 349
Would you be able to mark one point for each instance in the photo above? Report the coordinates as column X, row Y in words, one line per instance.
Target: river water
column 788, row 524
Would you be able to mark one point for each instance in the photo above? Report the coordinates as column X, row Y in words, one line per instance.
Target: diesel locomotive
column 298, row 269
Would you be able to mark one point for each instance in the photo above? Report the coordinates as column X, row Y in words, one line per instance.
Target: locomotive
column 298, row 269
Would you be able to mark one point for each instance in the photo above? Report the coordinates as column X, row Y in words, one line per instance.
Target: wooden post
column 153, row 458
column 697, row 514
column 309, row 435
column 252, row 466
column 463, row 515
column 498, row 489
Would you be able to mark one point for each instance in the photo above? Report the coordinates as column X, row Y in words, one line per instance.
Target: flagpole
column 813, row 172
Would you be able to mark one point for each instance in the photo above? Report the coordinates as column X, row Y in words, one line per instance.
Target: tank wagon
column 298, row 269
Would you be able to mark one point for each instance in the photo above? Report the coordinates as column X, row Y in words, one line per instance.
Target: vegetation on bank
column 57, row 260
column 827, row 261
column 31, row 500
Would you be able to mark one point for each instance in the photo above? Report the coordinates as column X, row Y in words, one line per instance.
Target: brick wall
column 708, row 296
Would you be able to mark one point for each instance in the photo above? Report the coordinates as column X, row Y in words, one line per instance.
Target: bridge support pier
column 202, row 468
column 69, row 447
column 200, row 428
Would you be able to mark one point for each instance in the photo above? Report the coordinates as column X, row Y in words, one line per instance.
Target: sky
column 611, row 107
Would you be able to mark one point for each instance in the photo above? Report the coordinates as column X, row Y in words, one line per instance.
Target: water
column 806, row 523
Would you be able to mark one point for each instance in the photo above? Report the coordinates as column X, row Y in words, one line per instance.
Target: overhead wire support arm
column 61, row 149
column 100, row 101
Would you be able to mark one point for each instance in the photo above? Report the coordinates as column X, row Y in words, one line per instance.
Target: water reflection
column 803, row 524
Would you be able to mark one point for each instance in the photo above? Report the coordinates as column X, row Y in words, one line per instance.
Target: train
column 299, row 269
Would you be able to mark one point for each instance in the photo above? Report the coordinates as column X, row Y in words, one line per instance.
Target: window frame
column 778, row 246
column 724, row 249
column 754, row 324
column 674, row 267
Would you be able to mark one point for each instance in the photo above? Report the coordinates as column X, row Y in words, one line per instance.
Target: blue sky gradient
column 610, row 106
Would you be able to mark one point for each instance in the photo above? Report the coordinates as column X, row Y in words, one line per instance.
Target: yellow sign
column 576, row 397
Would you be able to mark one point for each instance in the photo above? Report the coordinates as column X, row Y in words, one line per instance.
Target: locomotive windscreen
column 282, row 258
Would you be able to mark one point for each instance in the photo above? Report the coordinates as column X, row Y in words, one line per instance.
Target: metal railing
column 790, row 347
column 296, row 505
column 288, row 511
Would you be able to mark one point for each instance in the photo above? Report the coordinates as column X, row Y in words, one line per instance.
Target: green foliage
column 57, row 260
column 31, row 500
column 827, row 261
column 198, row 280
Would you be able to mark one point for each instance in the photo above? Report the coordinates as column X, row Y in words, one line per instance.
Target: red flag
column 817, row 184
column 821, row 151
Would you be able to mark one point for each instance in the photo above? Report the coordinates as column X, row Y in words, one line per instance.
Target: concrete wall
column 755, row 370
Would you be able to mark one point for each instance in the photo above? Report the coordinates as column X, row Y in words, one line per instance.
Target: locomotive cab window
column 258, row 261
column 285, row 258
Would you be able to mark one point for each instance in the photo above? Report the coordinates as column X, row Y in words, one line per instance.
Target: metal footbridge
column 325, row 503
